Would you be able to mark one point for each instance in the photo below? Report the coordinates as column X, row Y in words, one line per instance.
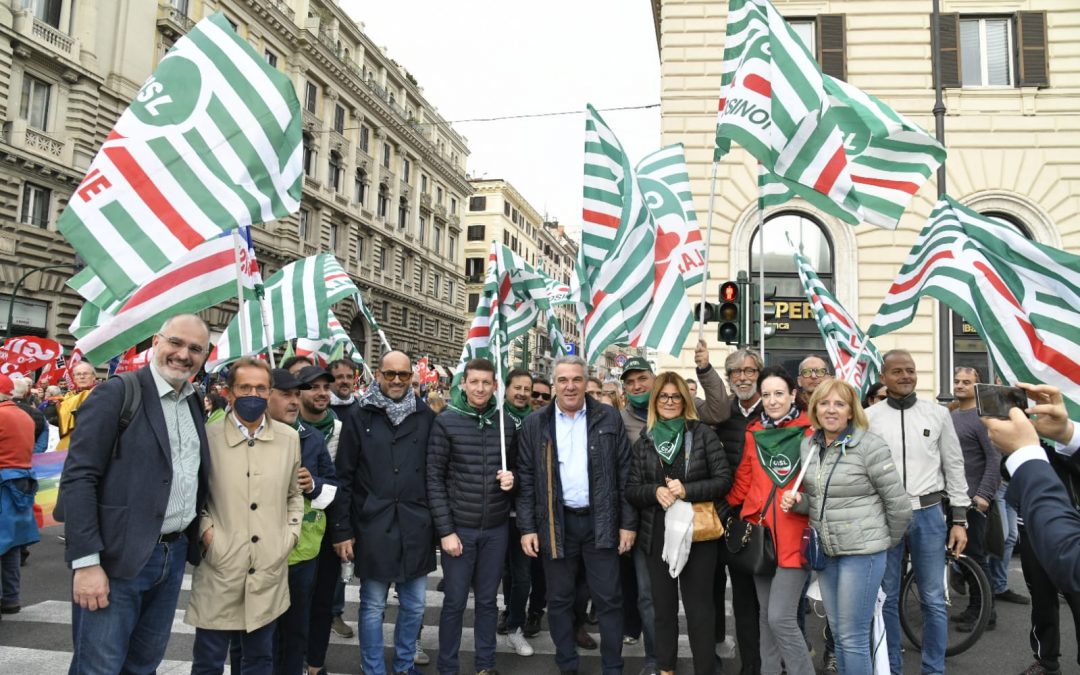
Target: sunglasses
column 541, row 396
column 402, row 375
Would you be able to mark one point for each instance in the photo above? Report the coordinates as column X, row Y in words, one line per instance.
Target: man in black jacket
column 573, row 461
column 382, row 474
column 469, row 490
column 130, row 501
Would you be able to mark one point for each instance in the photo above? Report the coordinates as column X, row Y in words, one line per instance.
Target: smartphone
column 994, row 400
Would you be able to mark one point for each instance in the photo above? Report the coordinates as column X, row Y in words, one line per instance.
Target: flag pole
column 263, row 314
column 761, row 269
column 708, row 250
column 241, row 315
column 849, row 377
column 499, row 402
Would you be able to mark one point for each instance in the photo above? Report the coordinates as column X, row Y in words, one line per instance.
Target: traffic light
column 730, row 317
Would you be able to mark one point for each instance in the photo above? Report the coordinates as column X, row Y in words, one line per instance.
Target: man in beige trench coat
column 251, row 522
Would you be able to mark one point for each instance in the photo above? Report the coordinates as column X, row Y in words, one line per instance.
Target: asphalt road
column 38, row 639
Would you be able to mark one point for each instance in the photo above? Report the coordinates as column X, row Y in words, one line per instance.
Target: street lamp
column 18, row 284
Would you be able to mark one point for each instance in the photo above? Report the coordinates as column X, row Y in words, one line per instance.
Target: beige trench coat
column 255, row 507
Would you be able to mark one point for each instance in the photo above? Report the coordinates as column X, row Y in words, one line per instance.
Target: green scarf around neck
column 517, row 414
column 667, row 437
column 778, row 452
column 639, row 401
column 459, row 403
column 325, row 425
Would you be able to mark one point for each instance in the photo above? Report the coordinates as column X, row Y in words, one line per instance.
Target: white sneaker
column 727, row 648
column 421, row 658
column 517, row 641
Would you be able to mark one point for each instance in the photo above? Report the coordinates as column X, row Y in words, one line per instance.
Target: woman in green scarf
column 678, row 458
column 770, row 462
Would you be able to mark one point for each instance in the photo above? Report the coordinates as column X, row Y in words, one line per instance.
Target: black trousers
column 1045, row 634
column 631, row 615
column 602, row 573
column 744, row 604
column 695, row 582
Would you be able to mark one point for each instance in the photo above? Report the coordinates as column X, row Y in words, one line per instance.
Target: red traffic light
column 729, row 291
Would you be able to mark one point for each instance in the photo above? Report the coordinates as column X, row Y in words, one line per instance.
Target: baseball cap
column 636, row 363
column 309, row 374
column 286, row 381
column 7, row 386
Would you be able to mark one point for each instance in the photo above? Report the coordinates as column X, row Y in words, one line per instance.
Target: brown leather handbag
column 707, row 523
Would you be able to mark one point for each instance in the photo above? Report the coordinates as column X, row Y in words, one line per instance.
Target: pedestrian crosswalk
column 51, row 618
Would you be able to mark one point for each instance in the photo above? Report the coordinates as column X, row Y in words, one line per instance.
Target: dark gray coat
column 540, row 501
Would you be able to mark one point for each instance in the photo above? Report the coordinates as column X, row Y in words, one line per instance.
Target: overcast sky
column 490, row 58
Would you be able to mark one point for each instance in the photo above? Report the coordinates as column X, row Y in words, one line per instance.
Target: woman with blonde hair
column 858, row 508
column 677, row 458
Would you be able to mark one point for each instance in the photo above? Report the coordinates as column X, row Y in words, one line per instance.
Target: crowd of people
column 582, row 499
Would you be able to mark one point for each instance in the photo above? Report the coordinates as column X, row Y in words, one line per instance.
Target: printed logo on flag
column 169, row 98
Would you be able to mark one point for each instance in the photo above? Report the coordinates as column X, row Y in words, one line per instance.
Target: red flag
column 133, row 361
column 26, row 354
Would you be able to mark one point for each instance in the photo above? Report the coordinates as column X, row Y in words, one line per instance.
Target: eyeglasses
column 747, row 372
column 542, row 396
column 247, row 390
column 663, row 397
column 177, row 343
column 402, row 375
column 814, row 372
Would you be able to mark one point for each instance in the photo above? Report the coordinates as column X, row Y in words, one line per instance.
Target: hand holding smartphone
column 992, row 400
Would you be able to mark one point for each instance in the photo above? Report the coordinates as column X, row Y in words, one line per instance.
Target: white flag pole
column 708, row 250
column 761, row 269
column 499, row 400
column 241, row 314
column 849, row 376
column 265, row 313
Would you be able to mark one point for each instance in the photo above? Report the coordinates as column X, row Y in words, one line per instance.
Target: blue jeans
column 479, row 566
column 373, row 593
column 645, row 606
column 999, row 569
column 849, row 588
column 212, row 647
column 10, row 576
column 927, row 535
column 131, row 634
column 292, row 626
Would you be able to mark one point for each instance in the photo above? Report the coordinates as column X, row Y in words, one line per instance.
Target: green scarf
column 325, row 425
column 517, row 414
column 667, row 437
column 639, row 401
column 778, row 452
column 459, row 403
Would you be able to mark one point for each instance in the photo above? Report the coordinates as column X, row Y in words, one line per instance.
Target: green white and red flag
column 211, row 142
column 627, row 295
column 855, row 359
column 817, row 137
column 297, row 298
column 366, row 312
column 338, row 345
column 204, row 277
column 1022, row 297
column 665, row 182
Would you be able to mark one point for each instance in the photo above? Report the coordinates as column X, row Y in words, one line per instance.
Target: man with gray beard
column 742, row 367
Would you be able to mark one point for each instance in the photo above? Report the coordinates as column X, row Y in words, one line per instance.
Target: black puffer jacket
column 461, row 465
column 540, row 500
column 708, row 476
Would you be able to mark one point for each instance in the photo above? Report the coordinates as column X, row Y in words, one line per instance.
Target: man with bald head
column 382, row 470
column 813, row 370
column 84, row 378
column 130, row 496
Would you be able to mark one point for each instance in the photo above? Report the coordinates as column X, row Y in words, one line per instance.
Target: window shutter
column 831, row 45
column 948, row 49
column 1031, row 49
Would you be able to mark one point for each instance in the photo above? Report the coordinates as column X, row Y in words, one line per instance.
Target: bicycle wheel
column 968, row 603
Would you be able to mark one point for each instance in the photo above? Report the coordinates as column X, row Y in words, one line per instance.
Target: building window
column 386, row 155
column 311, row 97
column 506, row 209
column 335, row 171
column 49, row 10
column 402, row 213
column 309, row 156
column 380, row 265
column 34, row 107
column 423, row 183
column 478, row 203
column 384, row 315
column 364, row 138
column 406, row 168
column 474, row 301
column 421, row 276
column 453, row 205
column 438, row 194
column 339, row 119
column 506, row 237
column 475, row 233
column 303, row 231
column 404, row 317
column 271, row 58
column 421, row 229
column 35, row 205
column 451, row 245
column 474, row 270
column 384, row 203
column 450, row 291
column 436, row 284
column 360, row 246
column 361, row 187
column 334, row 235
column 986, row 52
column 437, row 242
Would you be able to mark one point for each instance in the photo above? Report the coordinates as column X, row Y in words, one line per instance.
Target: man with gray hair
column 130, row 497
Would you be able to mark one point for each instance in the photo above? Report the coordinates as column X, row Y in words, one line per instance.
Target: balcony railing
column 43, row 144
column 52, row 36
column 173, row 22
column 283, row 7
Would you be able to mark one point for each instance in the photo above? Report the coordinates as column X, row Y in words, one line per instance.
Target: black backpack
column 132, row 401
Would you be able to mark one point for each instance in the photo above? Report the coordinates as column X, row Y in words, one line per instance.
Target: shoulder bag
column 750, row 547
